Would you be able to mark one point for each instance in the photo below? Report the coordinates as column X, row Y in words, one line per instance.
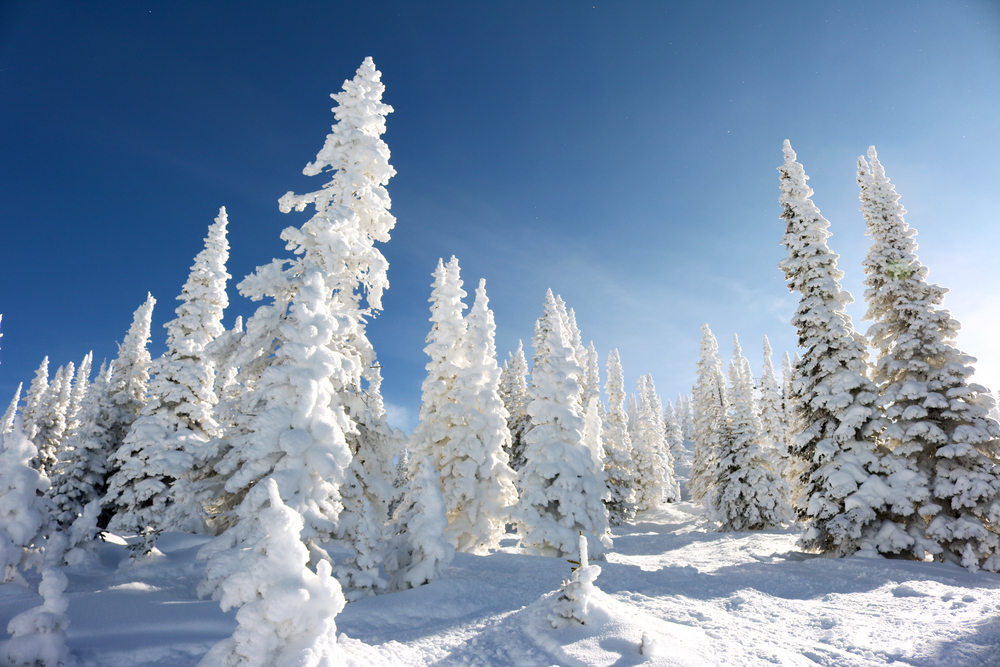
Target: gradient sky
column 623, row 154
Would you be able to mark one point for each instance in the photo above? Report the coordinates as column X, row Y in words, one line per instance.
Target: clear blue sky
column 623, row 154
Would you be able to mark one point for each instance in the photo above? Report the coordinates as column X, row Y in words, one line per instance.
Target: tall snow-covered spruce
column 561, row 493
column 424, row 550
column 619, row 463
column 514, row 391
column 476, row 481
column 938, row 418
column 306, row 351
column 709, row 405
column 851, row 489
column 748, row 494
column 152, row 488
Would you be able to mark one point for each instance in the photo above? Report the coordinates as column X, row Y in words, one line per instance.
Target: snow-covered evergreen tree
column 476, row 482
column 81, row 476
column 939, row 419
column 33, row 400
column 129, row 381
column 427, row 550
column 593, row 387
column 850, row 489
column 81, row 385
column 306, row 351
column 654, row 481
column 286, row 612
column 7, row 423
column 39, row 634
column 787, row 406
column 560, row 493
column 367, row 492
column 152, row 488
column 619, row 465
column 22, row 509
column 686, row 416
column 772, row 418
column 514, row 391
column 50, row 419
column 709, row 405
column 748, row 493
column 672, row 432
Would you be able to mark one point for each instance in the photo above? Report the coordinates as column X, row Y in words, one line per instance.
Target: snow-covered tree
column 476, row 482
column 129, row 384
column 367, row 492
column 33, row 400
column 50, row 418
column 619, row 465
column 748, row 493
column 81, row 475
column 39, row 634
column 685, row 416
column 7, row 423
column 654, row 481
column 152, row 487
column 573, row 604
column 850, row 489
column 306, row 350
column 787, row 406
column 772, row 418
column 939, row 419
column 709, row 405
column 672, row 433
column 286, row 612
column 22, row 508
column 514, row 391
column 427, row 550
column 560, row 492
column 593, row 387
column 81, row 384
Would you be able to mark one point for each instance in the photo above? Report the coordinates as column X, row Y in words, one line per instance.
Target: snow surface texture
column 688, row 594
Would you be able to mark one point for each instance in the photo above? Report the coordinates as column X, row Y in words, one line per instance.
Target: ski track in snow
column 703, row 598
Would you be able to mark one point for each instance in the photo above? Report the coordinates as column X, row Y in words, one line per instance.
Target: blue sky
column 623, row 154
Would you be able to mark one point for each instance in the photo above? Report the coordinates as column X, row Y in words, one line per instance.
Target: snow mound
column 616, row 634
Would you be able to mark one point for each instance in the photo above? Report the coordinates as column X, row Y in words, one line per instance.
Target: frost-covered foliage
column 560, row 492
column 672, row 433
column 709, row 405
column 685, row 415
column 151, row 488
column 514, row 392
column 850, row 489
column 593, row 387
column 573, row 603
column 81, row 385
column 39, row 634
column 619, row 465
column 81, row 476
column 33, row 400
column 772, row 416
column 476, row 482
column 22, row 509
column 748, row 492
column 367, row 491
column 7, row 423
column 427, row 550
column 50, row 419
column 286, row 612
column 654, row 482
column 787, row 405
column 305, row 352
column 938, row 419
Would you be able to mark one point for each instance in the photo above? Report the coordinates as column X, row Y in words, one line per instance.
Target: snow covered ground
column 699, row 597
